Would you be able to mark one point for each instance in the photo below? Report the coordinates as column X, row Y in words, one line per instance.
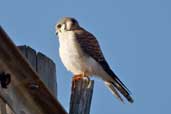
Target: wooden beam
column 43, row 65
column 81, row 96
column 34, row 96
column 2, row 107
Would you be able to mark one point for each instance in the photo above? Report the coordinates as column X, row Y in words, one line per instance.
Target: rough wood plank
column 34, row 96
column 30, row 54
column 9, row 111
column 2, row 107
column 81, row 96
column 47, row 71
column 43, row 66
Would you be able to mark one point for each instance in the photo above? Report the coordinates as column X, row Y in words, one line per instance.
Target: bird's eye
column 59, row 26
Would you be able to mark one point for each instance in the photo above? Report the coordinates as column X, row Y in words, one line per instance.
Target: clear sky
column 135, row 37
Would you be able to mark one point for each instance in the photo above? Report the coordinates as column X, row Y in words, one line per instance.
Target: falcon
column 81, row 54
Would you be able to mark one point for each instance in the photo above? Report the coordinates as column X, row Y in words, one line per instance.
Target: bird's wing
column 91, row 47
column 89, row 44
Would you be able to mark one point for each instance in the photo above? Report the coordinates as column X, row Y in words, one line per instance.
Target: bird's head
column 66, row 24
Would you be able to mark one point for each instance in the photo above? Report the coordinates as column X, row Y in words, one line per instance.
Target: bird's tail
column 116, row 87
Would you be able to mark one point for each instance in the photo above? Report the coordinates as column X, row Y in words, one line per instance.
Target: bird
column 81, row 54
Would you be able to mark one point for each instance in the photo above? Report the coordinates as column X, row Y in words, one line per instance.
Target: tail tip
column 130, row 99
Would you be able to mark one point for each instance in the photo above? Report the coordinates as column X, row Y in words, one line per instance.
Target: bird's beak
column 56, row 33
column 60, row 29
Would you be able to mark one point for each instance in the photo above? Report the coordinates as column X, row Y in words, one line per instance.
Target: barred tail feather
column 123, row 91
column 116, row 83
column 116, row 87
column 114, row 91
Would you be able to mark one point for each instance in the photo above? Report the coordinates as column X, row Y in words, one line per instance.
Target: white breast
column 73, row 57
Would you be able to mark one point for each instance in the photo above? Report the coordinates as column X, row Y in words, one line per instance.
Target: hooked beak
column 60, row 28
column 56, row 30
column 56, row 33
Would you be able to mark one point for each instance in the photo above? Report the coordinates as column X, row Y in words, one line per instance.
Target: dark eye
column 59, row 26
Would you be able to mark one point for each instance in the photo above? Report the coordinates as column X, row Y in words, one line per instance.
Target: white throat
column 63, row 27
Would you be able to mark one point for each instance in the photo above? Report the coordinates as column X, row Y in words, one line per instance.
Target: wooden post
column 81, row 96
column 9, row 110
column 2, row 107
column 26, row 94
column 44, row 66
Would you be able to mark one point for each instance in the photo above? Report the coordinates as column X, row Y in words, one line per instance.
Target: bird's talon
column 88, row 81
column 89, row 84
column 75, row 78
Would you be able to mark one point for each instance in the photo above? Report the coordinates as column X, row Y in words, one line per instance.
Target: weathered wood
column 46, row 69
column 9, row 111
column 34, row 98
column 43, row 66
column 2, row 107
column 81, row 96
column 30, row 54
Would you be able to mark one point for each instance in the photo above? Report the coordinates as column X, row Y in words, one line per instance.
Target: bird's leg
column 75, row 78
column 81, row 76
column 87, row 79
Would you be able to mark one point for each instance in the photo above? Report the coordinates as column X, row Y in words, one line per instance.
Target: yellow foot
column 75, row 78
column 88, row 81
column 80, row 77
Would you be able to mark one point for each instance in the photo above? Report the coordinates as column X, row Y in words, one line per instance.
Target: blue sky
column 134, row 36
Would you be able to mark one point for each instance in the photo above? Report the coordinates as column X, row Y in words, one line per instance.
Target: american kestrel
column 81, row 54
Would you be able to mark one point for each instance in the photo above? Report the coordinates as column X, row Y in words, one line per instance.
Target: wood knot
column 33, row 85
column 5, row 79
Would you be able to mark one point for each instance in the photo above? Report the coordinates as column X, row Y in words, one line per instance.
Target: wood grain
column 26, row 88
column 81, row 96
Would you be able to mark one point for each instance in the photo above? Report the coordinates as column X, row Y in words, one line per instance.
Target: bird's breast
column 75, row 60
column 71, row 54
